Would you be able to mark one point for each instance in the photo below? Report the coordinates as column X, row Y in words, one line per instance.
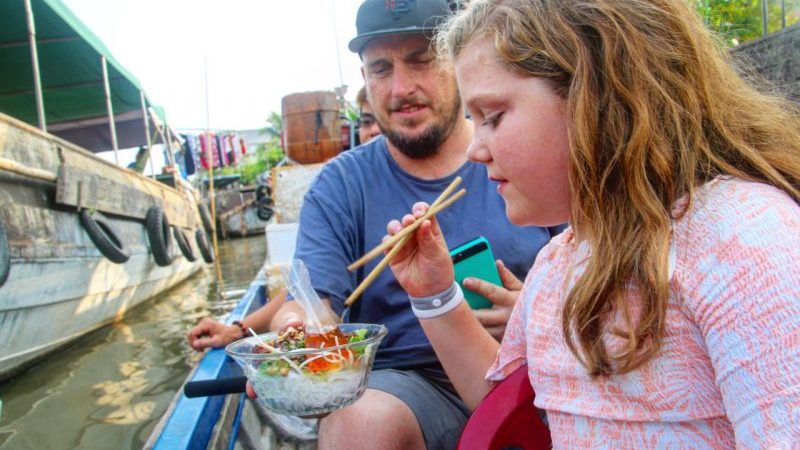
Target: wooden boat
column 241, row 210
column 228, row 421
column 82, row 240
column 250, row 214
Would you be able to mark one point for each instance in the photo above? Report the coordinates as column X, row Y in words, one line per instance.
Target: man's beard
column 427, row 144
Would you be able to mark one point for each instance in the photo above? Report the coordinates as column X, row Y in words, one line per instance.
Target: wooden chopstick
column 376, row 271
column 405, row 231
column 402, row 237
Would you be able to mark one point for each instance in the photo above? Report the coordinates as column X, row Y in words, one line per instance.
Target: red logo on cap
column 398, row 6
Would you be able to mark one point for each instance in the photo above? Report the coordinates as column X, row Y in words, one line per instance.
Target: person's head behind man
column 367, row 126
column 415, row 102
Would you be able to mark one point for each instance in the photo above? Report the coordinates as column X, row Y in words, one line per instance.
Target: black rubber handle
column 221, row 386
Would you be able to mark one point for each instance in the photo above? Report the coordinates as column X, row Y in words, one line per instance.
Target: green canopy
column 71, row 74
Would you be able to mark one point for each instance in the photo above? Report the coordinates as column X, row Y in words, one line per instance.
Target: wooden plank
column 114, row 190
column 30, row 147
column 236, row 209
column 77, row 187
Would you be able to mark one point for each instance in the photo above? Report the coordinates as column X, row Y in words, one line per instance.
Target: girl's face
column 520, row 134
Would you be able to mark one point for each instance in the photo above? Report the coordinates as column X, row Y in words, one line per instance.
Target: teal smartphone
column 475, row 259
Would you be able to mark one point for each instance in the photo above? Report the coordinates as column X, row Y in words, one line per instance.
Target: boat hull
column 237, row 213
column 244, row 223
column 59, row 285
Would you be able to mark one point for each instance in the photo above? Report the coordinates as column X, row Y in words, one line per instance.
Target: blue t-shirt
column 345, row 213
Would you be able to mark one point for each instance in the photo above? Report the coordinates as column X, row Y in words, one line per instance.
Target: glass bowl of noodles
column 300, row 373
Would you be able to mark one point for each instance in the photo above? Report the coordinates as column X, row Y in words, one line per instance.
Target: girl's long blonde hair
column 655, row 110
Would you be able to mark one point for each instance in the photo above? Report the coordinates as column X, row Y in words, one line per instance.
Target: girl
column 668, row 315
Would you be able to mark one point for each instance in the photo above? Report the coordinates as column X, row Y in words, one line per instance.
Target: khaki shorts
column 439, row 411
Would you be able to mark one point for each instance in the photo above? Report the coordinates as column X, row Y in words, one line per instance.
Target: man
column 409, row 402
column 367, row 126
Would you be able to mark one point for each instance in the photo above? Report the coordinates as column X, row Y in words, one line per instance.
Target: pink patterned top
column 728, row 373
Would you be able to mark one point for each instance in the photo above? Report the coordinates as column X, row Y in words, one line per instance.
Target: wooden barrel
column 311, row 130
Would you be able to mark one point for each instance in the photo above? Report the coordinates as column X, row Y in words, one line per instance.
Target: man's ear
column 363, row 75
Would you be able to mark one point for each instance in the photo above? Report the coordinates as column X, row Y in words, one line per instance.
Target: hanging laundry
column 221, row 151
column 209, row 147
column 243, row 145
column 198, row 155
column 235, row 157
column 188, row 154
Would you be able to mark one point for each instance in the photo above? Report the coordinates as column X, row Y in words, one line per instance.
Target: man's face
column 415, row 102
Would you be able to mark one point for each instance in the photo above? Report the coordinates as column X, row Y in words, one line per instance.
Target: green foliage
column 274, row 126
column 738, row 21
column 264, row 158
column 252, row 170
column 273, row 153
column 351, row 113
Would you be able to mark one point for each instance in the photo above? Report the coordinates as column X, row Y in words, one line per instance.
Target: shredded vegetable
column 322, row 362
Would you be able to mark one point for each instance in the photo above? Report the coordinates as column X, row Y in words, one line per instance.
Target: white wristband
column 436, row 305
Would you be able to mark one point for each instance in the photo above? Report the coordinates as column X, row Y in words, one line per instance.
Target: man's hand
column 504, row 298
column 210, row 333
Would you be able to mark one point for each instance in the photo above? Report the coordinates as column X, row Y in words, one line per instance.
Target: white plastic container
column 281, row 238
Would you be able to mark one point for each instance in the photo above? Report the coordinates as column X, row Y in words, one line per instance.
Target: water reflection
column 108, row 389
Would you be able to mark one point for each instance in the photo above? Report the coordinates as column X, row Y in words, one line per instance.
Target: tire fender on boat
column 5, row 256
column 264, row 209
column 183, row 244
column 263, row 190
column 158, row 234
column 205, row 217
column 104, row 236
column 202, row 243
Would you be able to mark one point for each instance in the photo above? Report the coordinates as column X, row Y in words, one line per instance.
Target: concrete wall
column 776, row 58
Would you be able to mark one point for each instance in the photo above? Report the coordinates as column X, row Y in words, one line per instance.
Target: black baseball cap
column 381, row 17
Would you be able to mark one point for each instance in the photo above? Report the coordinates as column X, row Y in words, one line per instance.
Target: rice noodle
column 306, row 394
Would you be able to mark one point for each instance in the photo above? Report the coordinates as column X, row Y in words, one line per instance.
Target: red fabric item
column 204, row 149
column 244, row 147
column 506, row 418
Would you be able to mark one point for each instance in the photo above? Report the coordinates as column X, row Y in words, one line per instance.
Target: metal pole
column 37, row 79
column 764, row 25
column 147, row 133
column 170, row 155
column 210, row 161
column 353, row 134
column 162, row 131
column 336, row 45
column 109, row 107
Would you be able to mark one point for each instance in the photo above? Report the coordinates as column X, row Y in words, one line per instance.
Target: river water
column 108, row 389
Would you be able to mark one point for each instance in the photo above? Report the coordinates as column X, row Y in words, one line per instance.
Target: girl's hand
column 423, row 266
column 504, row 298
